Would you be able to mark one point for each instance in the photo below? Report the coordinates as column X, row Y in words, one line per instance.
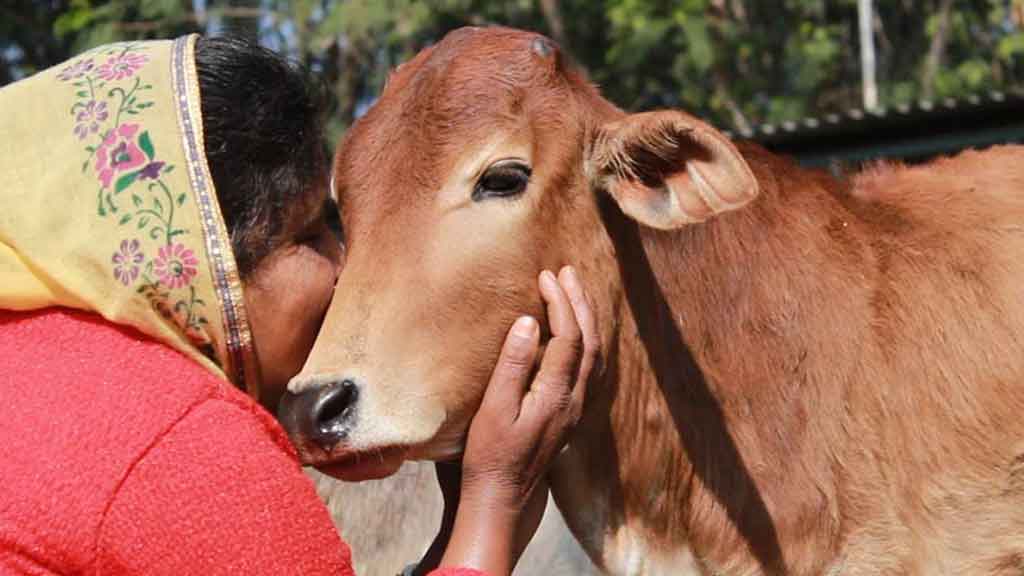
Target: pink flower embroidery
column 126, row 262
column 121, row 66
column 75, row 70
column 89, row 117
column 175, row 265
column 118, row 153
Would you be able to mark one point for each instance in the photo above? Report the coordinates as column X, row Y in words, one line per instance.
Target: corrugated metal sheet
column 911, row 133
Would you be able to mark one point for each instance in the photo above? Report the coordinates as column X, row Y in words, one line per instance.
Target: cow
column 803, row 373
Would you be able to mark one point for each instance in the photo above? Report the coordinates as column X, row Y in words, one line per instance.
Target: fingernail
column 570, row 272
column 524, row 327
column 548, row 276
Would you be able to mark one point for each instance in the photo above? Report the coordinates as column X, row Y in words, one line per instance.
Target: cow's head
column 482, row 163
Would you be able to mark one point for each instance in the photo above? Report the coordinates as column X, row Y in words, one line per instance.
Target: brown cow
column 803, row 375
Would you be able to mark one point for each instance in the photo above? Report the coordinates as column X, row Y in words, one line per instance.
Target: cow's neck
column 690, row 441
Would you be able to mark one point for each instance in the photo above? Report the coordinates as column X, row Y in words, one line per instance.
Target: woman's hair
column 262, row 116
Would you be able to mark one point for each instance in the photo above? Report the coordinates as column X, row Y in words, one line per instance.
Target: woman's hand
column 520, row 427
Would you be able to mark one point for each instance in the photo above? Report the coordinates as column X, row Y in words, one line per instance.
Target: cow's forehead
column 440, row 106
column 475, row 78
column 502, row 55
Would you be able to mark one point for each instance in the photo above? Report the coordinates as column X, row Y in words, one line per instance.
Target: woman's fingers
column 553, row 384
column 570, row 282
column 563, row 350
column 560, row 310
column 510, row 378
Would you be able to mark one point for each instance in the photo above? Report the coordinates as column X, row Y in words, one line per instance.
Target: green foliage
column 736, row 62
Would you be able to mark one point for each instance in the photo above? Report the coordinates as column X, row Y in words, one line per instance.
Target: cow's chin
column 369, row 460
column 360, row 471
column 435, row 452
column 359, row 466
column 380, row 463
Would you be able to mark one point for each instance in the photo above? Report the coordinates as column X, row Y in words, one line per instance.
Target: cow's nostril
column 332, row 413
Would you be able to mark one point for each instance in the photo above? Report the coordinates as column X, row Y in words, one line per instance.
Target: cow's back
column 936, row 411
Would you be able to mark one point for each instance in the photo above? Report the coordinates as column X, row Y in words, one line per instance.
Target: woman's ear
column 667, row 169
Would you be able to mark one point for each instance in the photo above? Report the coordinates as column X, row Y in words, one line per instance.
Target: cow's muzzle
column 322, row 414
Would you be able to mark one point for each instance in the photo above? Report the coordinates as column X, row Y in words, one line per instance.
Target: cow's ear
column 667, row 169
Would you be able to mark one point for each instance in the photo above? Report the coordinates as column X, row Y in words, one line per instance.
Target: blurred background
column 759, row 68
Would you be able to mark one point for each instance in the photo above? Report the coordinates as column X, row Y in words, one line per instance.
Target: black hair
column 262, row 119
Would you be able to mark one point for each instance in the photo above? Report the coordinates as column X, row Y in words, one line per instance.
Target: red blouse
column 118, row 455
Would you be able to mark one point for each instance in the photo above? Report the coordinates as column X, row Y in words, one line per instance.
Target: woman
column 166, row 243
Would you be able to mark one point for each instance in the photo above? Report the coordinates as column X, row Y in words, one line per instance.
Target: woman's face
column 287, row 295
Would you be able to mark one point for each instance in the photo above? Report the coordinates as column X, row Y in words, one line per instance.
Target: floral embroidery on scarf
column 75, row 70
column 89, row 118
column 118, row 154
column 110, row 91
column 175, row 265
column 123, row 65
column 126, row 261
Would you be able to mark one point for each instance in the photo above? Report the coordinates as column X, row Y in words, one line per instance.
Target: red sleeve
column 217, row 495
column 456, row 572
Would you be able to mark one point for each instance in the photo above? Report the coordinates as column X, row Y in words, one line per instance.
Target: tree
column 735, row 62
column 27, row 42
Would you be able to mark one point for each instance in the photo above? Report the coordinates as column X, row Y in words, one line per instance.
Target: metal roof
column 911, row 132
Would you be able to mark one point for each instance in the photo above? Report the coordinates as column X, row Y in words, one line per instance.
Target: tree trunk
column 936, row 51
column 553, row 18
column 869, row 86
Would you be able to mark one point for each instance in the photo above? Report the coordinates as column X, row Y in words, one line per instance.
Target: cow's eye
column 502, row 180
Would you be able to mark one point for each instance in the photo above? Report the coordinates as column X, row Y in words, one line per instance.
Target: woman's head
column 262, row 117
column 112, row 205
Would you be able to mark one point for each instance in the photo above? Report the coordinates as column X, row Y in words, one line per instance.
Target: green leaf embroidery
column 81, row 93
column 125, row 181
column 158, row 205
column 143, row 221
column 168, row 168
column 146, row 144
column 137, row 200
column 181, row 199
column 125, row 219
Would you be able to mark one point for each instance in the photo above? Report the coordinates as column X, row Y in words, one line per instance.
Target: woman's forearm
column 483, row 537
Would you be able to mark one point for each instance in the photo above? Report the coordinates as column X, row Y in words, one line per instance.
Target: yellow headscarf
column 108, row 204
